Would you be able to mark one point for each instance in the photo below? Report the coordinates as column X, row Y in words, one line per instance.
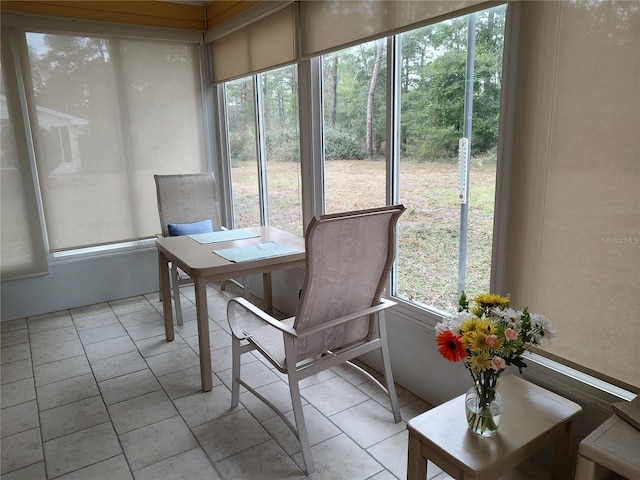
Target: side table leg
column 416, row 463
column 561, row 458
column 585, row 469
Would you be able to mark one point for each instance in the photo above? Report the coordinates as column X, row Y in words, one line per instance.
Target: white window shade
column 111, row 113
column 329, row 25
column 264, row 44
column 574, row 223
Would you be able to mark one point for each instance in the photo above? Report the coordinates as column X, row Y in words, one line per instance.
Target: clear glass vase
column 483, row 407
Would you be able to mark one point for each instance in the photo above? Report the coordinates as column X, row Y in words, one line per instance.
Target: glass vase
column 483, row 407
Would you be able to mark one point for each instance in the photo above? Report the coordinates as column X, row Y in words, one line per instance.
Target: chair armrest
column 383, row 305
column 264, row 317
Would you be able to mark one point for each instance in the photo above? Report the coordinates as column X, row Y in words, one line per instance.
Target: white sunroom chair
column 184, row 199
column 340, row 314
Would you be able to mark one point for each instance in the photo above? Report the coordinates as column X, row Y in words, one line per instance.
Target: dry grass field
column 429, row 229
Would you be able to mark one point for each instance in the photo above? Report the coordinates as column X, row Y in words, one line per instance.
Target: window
column 445, row 244
column 111, row 113
column 354, row 106
column 262, row 120
column 21, row 240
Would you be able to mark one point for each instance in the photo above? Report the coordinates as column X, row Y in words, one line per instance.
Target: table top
column 530, row 414
column 198, row 260
column 614, row 444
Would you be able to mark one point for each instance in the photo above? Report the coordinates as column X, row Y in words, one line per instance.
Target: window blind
column 574, row 223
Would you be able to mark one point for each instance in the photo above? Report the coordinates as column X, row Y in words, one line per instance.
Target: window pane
column 280, row 105
column 111, row 113
column 432, row 121
column 354, row 96
column 240, row 99
column 20, row 255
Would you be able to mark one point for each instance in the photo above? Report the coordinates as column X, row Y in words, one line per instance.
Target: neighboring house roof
column 47, row 117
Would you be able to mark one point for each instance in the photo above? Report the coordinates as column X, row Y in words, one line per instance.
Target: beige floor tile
column 392, row 453
column 61, row 370
column 333, row 395
column 80, row 449
column 146, row 330
column 341, row 457
column 184, row 382
column 14, row 371
column 20, row 450
column 66, row 391
column 51, row 337
column 192, row 465
column 230, row 434
column 17, row 392
column 32, row 472
column 19, row 418
column 128, row 386
column 157, row 345
column 99, row 319
column 13, row 337
column 102, row 333
column 109, row 348
column 319, row 429
column 172, row 362
column 49, row 322
column 202, row 407
column 128, row 305
column 141, row 411
column 72, row 417
column 119, row 365
column 159, row 441
column 367, row 423
column 17, row 324
column 58, row 351
column 266, row 461
column 115, row 468
column 15, row 353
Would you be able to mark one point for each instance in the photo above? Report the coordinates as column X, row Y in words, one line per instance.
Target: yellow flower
column 476, row 341
column 479, row 362
column 473, row 324
column 484, row 301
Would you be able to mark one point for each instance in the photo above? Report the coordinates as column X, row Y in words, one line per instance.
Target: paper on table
column 254, row 252
column 223, row 236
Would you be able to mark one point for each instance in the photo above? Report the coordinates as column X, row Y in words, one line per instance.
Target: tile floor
column 97, row 393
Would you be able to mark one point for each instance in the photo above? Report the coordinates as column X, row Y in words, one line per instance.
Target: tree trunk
column 372, row 90
column 334, row 88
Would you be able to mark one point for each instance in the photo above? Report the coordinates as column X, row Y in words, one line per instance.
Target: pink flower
column 491, row 340
column 498, row 363
column 510, row 334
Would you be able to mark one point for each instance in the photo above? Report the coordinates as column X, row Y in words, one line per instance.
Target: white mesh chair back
column 348, row 258
column 187, row 198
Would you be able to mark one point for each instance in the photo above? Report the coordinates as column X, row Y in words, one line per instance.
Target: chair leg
column 301, row 427
column 176, row 293
column 388, row 374
column 235, row 371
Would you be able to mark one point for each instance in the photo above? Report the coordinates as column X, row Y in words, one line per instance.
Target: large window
column 111, row 113
column 446, row 240
column 262, row 120
column 445, row 243
column 354, row 105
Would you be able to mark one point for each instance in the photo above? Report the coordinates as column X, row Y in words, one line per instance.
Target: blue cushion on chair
column 202, row 226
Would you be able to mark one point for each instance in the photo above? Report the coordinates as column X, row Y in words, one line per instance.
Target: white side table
column 533, row 417
column 612, row 447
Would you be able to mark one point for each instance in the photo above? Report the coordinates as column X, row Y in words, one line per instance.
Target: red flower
column 450, row 346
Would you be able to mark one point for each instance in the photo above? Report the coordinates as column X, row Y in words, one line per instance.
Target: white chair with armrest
column 340, row 314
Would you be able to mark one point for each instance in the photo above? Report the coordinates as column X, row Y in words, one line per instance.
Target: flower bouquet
column 487, row 335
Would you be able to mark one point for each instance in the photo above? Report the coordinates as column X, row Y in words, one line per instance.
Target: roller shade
column 329, row 25
column 264, row 44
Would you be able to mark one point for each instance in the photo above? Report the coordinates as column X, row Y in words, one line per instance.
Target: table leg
column 268, row 295
column 163, row 269
column 416, row 463
column 585, row 469
column 561, row 458
column 204, row 344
